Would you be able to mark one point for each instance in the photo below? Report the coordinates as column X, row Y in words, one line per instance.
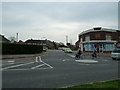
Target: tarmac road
column 56, row 69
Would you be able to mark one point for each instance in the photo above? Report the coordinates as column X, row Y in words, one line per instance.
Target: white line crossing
column 38, row 59
column 17, row 65
column 44, row 62
column 37, row 66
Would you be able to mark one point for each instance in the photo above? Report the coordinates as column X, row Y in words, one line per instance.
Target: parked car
column 67, row 50
column 115, row 54
column 44, row 48
column 60, row 48
column 63, row 48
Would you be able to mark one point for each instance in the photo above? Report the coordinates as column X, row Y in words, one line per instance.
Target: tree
column 12, row 39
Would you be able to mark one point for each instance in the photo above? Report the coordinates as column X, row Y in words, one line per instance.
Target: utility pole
column 66, row 40
column 71, row 41
column 17, row 37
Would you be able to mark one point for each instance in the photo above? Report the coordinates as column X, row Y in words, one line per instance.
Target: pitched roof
column 35, row 41
column 3, row 39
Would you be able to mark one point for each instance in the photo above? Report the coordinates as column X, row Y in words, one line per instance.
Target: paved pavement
column 56, row 69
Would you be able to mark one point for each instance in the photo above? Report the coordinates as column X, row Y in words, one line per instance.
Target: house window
column 97, row 35
column 87, row 38
column 81, row 40
column 108, row 37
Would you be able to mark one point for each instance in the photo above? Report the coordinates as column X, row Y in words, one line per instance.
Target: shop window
column 81, row 39
column 109, row 47
column 87, row 38
column 88, row 47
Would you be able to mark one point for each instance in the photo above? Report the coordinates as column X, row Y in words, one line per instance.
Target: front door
column 99, row 47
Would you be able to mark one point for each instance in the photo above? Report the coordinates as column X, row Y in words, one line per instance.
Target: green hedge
column 11, row 48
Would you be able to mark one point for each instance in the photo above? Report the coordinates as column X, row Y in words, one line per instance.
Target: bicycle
column 78, row 56
column 94, row 55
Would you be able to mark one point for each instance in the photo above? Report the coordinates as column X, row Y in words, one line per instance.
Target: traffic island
column 87, row 61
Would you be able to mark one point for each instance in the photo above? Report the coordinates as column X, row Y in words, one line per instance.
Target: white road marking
column 70, row 55
column 44, row 62
column 63, row 60
column 40, row 58
column 11, row 61
column 17, row 65
column 24, row 69
column 37, row 66
column 86, row 61
column 6, row 64
column 36, row 59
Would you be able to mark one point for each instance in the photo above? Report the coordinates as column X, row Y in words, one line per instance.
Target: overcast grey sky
column 55, row 20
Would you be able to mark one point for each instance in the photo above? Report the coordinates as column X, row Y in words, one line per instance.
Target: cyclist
column 78, row 54
column 94, row 54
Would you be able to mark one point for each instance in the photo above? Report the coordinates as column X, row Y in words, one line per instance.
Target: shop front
column 100, row 47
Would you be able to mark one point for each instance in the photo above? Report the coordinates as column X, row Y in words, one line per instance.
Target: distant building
column 36, row 42
column 101, row 39
column 3, row 39
column 50, row 44
column 46, row 43
column 20, row 42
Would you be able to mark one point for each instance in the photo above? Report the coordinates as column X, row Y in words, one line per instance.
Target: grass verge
column 112, row 84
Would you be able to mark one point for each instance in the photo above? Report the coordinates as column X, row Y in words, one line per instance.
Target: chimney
column 97, row 28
